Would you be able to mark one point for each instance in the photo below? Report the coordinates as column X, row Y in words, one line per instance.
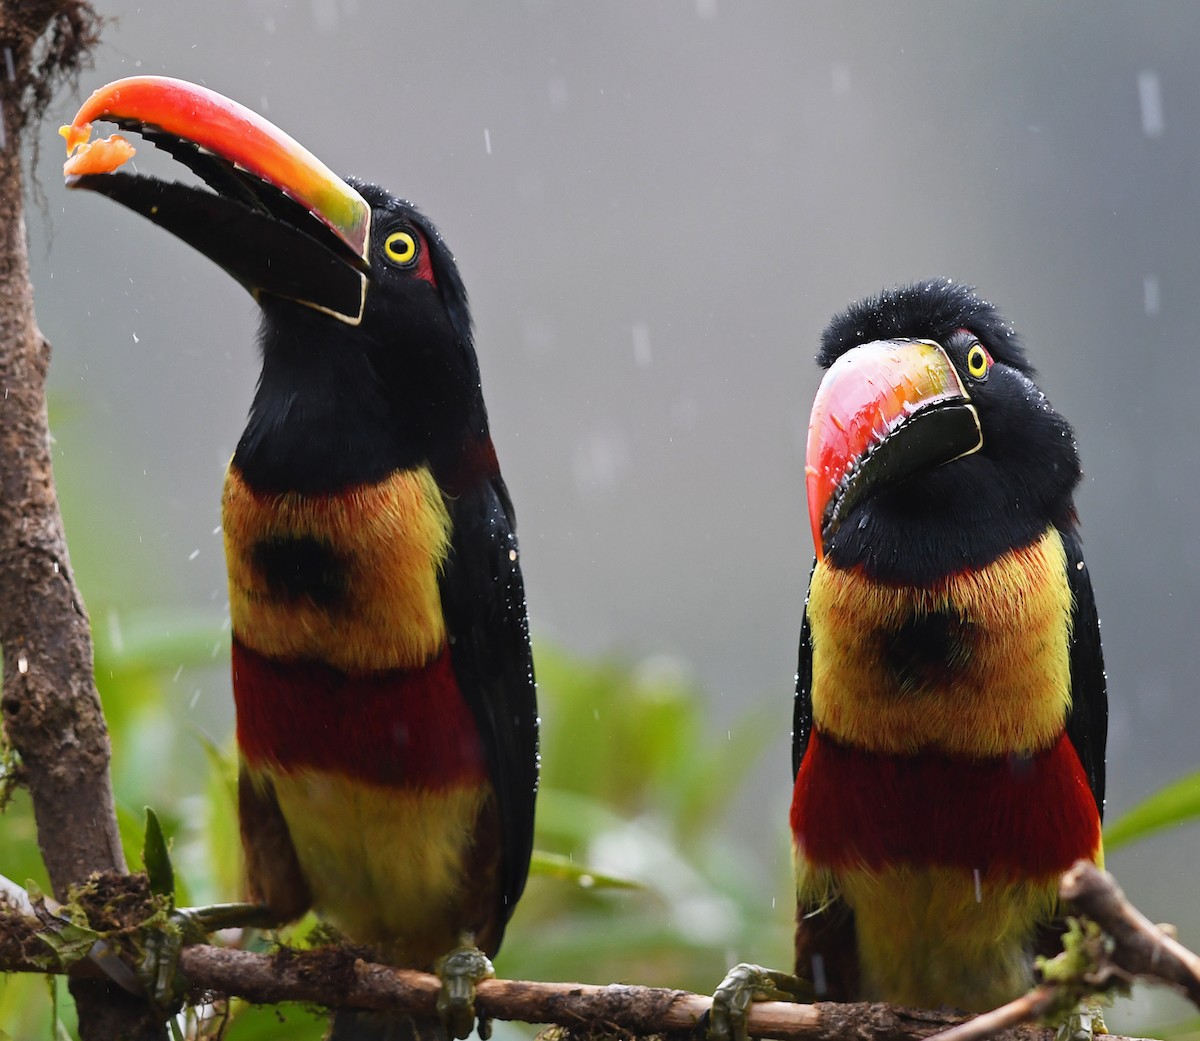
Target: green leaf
column 555, row 865
column 1175, row 804
column 1187, row 1030
column 273, row 1022
column 72, row 943
column 222, row 766
column 157, row 859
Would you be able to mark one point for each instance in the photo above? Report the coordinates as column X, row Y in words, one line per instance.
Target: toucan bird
column 386, row 713
column 950, row 712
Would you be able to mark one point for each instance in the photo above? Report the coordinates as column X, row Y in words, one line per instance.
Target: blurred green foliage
column 1173, row 805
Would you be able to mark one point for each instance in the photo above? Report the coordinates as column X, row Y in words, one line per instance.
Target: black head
column 341, row 404
column 931, row 310
column 965, row 513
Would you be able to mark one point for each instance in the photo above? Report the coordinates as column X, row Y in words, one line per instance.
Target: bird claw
column 159, row 967
column 742, row 986
column 460, row 972
column 1082, row 1025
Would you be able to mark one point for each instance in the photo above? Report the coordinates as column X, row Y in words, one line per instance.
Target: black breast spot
column 302, row 568
column 925, row 651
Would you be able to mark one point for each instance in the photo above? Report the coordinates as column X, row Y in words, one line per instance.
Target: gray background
column 656, row 207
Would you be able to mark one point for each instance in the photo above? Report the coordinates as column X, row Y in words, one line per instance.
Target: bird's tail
column 351, row 1024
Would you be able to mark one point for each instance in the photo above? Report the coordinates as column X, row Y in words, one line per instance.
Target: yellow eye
column 978, row 361
column 401, row 247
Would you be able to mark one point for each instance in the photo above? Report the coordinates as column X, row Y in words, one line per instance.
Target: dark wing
column 483, row 598
column 802, row 706
column 1087, row 724
column 825, row 941
column 273, row 875
column 827, row 951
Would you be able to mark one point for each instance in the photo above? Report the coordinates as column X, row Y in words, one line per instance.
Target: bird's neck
column 320, row 421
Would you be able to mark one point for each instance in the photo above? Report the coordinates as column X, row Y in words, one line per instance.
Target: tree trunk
column 51, row 712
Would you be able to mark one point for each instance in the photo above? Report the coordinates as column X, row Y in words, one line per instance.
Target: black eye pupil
column 401, row 246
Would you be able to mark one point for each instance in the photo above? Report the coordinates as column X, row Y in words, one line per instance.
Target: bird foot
column 743, row 985
column 159, row 968
column 460, row 972
column 1082, row 1024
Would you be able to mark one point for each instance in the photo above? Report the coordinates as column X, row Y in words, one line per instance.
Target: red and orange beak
column 884, row 412
column 277, row 218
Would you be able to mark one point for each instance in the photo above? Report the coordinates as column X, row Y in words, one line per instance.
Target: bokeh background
column 656, row 207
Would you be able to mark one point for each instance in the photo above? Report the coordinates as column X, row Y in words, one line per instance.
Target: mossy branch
column 1116, row 945
column 340, row 976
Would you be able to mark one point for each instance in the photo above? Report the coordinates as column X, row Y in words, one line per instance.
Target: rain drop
column 1150, row 101
column 600, row 462
column 325, row 15
column 556, row 89
column 839, row 79
column 115, row 636
column 1151, row 299
column 641, row 345
column 820, row 986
